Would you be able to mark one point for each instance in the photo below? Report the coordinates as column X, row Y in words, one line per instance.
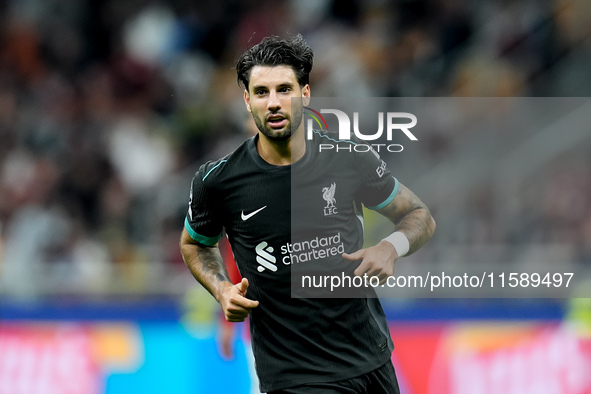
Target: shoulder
column 213, row 171
column 212, row 168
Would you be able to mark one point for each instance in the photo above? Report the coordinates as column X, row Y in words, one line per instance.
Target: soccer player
column 301, row 345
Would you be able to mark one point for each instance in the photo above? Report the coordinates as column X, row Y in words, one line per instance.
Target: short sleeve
column 377, row 187
column 202, row 221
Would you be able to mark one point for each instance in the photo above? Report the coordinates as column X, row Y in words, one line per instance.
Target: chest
column 279, row 206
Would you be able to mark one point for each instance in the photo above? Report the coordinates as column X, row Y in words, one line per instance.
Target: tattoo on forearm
column 206, row 265
column 411, row 216
column 212, row 263
column 416, row 226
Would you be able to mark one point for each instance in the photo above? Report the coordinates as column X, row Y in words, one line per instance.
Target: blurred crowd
column 108, row 106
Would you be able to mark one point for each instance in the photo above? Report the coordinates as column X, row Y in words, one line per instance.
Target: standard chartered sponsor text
column 313, row 249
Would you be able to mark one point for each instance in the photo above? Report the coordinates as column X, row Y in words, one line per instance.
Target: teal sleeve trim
column 207, row 241
column 390, row 197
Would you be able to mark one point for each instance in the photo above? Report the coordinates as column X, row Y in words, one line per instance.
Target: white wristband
column 399, row 241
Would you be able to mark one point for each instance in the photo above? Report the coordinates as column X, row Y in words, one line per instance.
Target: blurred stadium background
column 107, row 107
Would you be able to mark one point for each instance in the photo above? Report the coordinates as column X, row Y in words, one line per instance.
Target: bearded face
column 270, row 102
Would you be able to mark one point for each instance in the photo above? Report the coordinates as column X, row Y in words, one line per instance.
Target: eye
column 260, row 92
column 284, row 89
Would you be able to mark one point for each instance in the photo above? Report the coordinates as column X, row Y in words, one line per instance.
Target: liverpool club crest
column 328, row 195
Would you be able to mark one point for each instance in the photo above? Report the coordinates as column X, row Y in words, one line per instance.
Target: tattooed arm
column 207, row 266
column 411, row 217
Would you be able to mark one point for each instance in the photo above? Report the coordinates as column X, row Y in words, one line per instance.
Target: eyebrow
column 281, row 85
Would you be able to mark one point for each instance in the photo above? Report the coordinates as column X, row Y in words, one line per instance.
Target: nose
column 273, row 103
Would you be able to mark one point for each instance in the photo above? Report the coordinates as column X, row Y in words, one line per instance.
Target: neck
column 282, row 153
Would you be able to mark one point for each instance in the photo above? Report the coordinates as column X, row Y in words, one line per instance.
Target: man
column 301, row 345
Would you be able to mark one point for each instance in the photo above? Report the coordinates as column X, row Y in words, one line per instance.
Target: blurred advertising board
column 444, row 348
column 492, row 357
column 113, row 357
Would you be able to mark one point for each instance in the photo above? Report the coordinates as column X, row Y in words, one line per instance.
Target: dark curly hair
column 273, row 51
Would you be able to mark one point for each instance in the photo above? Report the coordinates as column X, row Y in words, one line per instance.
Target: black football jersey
column 303, row 215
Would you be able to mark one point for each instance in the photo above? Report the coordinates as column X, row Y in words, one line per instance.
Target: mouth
column 276, row 121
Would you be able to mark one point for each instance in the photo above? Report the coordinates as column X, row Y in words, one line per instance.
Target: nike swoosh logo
column 246, row 217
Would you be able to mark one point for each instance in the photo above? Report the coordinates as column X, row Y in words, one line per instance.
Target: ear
column 247, row 100
column 306, row 94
